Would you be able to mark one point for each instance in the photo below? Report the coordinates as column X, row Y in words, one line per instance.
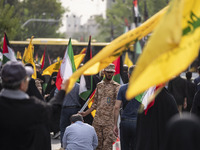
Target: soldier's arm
column 116, row 115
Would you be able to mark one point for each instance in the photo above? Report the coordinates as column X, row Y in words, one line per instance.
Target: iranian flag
column 67, row 66
column 8, row 53
column 118, row 70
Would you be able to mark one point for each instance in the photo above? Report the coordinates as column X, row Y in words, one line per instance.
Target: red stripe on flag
column 5, row 46
column 42, row 66
column 117, row 66
column 58, row 81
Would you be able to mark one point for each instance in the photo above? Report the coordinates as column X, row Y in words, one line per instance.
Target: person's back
column 150, row 131
column 23, row 124
column 197, row 80
column 177, row 87
column 24, row 120
column 80, row 136
column 191, row 90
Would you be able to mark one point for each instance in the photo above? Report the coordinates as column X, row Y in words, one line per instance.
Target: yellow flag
column 52, row 68
column 19, row 56
column 78, row 59
column 171, row 49
column 109, row 53
column 28, row 57
column 56, row 66
column 127, row 60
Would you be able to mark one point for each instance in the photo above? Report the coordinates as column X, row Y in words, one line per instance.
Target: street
column 55, row 144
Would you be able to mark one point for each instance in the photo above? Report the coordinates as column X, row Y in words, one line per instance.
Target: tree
column 45, row 9
column 8, row 20
column 114, row 24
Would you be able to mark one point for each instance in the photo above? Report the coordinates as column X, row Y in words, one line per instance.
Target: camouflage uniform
column 104, row 101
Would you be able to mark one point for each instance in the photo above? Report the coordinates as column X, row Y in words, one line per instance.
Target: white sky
column 86, row 8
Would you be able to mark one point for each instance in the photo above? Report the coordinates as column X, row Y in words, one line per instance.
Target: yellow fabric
column 56, row 66
column 90, row 104
column 127, row 60
column 19, row 56
column 78, row 59
column 52, row 68
column 171, row 49
column 58, row 59
column 109, row 53
column 28, row 57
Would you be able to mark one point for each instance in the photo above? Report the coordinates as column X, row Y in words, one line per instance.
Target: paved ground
column 55, row 144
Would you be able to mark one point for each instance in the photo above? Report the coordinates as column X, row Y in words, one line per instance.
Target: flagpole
column 85, row 105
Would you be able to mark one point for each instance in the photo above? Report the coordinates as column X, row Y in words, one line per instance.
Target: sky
column 83, row 8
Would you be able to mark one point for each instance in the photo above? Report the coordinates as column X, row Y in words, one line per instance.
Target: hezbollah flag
column 67, row 66
column 109, row 53
column 52, row 68
column 8, row 53
column 28, row 57
column 172, row 47
column 19, row 56
column 127, row 60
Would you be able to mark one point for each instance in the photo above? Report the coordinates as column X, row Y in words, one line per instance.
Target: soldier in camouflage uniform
column 104, row 101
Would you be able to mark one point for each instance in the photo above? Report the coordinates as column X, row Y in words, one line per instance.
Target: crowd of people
column 32, row 114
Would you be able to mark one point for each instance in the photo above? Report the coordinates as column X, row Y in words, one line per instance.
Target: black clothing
column 196, row 104
column 177, row 87
column 150, row 130
column 183, row 133
column 25, row 122
column 33, row 90
column 191, row 90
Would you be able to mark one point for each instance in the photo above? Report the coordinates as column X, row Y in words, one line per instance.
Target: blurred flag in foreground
column 172, row 47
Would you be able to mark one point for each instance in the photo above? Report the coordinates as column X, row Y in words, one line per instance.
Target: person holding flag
column 104, row 101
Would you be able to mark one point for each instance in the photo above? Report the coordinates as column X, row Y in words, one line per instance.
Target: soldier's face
column 109, row 75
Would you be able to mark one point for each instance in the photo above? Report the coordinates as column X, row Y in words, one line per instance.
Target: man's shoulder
column 197, row 79
column 115, row 83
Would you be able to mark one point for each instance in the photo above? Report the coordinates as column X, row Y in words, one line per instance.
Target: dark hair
column 76, row 117
column 131, row 69
column 29, row 64
column 188, row 75
column 125, row 68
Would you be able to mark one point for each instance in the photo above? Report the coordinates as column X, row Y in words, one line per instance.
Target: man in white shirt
column 79, row 135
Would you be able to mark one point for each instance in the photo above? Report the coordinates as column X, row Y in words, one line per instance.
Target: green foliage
column 8, row 20
column 121, row 10
column 45, row 9
column 14, row 13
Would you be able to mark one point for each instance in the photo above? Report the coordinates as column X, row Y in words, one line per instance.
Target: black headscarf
column 183, row 133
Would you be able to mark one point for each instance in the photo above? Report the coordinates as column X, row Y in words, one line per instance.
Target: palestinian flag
column 86, row 82
column 8, row 53
column 67, row 66
column 118, row 70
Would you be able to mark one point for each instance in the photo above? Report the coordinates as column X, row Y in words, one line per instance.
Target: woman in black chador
column 151, row 127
